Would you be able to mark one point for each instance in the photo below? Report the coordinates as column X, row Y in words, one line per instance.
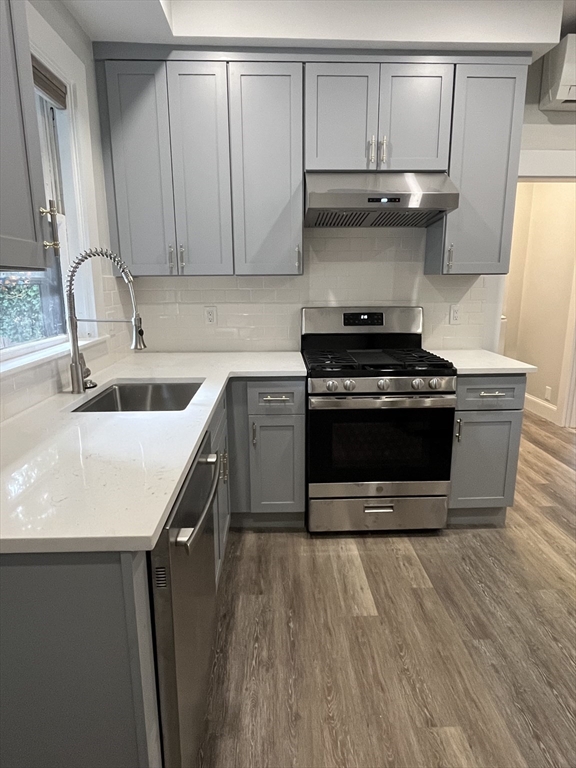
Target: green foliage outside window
column 21, row 315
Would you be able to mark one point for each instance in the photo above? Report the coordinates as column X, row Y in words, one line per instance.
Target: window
column 32, row 303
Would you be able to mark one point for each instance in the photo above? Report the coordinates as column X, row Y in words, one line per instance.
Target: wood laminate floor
column 454, row 650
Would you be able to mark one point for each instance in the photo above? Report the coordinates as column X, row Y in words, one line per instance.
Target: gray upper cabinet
column 198, row 99
column 415, row 116
column 21, row 184
column 342, row 116
column 140, row 140
column 485, row 458
column 378, row 117
column 267, row 176
column 486, row 133
column 277, row 464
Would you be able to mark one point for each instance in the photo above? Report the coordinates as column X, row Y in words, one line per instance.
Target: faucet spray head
column 137, row 333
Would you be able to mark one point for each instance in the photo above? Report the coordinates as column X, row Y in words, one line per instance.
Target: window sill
column 17, row 364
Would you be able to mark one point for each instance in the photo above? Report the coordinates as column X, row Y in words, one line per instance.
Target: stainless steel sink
column 143, row 396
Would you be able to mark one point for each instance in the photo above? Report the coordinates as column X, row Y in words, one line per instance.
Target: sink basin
column 142, row 396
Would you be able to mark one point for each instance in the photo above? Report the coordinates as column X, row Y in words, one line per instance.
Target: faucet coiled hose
column 90, row 254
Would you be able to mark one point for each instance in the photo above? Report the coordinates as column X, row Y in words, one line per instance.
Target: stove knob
column 435, row 384
column 349, row 385
column 332, row 386
column 418, row 384
column 384, row 384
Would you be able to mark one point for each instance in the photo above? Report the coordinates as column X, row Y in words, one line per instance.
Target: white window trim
column 31, row 359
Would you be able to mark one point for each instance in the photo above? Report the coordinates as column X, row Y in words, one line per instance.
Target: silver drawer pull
column 379, row 510
column 280, row 399
column 493, row 394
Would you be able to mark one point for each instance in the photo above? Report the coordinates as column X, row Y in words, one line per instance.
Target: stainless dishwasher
column 183, row 572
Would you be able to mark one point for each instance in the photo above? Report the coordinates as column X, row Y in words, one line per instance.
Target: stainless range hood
column 378, row 199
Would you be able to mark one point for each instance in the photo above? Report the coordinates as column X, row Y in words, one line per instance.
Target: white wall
column 57, row 39
column 540, row 293
column 341, row 266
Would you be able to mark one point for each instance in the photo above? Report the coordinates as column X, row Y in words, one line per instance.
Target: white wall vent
column 559, row 77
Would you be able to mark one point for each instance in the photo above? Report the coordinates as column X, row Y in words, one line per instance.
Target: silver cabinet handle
column 182, row 262
column 187, row 536
column 373, row 149
column 493, row 394
column 171, row 259
column 379, row 510
column 458, row 429
column 279, row 399
column 384, row 143
column 297, row 249
column 52, row 211
column 254, row 437
column 450, row 255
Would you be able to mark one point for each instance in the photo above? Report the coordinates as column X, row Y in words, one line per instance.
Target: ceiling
column 496, row 25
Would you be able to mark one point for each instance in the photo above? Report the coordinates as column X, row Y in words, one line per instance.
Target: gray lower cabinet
column 137, row 97
column 378, row 116
column 266, row 430
column 277, row 463
column 198, row 102
column 486, row 132
column 21, row 182
column 77, row 667
column 485, row 458
column 267, row 174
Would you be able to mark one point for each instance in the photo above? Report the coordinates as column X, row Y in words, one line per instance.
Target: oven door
column 380, row 446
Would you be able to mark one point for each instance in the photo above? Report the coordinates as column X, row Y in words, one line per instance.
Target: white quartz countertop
column 481, row 361
column 85, row 482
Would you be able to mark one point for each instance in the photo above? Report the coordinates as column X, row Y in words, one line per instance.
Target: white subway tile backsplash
column 341, row 267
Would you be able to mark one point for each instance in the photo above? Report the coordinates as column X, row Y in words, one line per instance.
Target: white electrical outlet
column 455, row 315
column 210, row 316
column 548, row 393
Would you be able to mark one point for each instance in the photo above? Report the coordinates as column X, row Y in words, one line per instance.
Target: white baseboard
column 542, row 408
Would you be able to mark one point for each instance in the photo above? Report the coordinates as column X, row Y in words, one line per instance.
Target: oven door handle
column 339, row 403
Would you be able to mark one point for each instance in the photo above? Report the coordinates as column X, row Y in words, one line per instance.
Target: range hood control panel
column 383, row 199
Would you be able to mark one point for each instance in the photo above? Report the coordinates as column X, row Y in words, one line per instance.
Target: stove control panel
column 362, row 318
column 392, row 385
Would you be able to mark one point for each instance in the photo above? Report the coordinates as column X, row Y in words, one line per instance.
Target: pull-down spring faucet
column 79, row 372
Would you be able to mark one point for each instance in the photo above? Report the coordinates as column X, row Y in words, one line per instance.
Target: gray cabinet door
column 486, row 133
column 140, row 139
column 21, row 184
column 485, row 459
column 415, row 115
column 277, row 463
column 198, row 99
column 267, row 175
column 341, row 116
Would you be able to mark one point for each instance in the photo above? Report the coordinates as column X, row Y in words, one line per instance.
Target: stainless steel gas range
column 380, row 419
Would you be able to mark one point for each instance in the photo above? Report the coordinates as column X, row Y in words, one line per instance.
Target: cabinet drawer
column 276, row 397
column 490, row 393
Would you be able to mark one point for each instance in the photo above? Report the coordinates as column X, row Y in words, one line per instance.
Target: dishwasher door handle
column 187, row 536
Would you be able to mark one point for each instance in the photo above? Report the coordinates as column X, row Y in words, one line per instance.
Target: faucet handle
column 86, row 372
